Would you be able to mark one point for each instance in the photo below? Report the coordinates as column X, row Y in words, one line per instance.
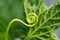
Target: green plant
column 35, row 21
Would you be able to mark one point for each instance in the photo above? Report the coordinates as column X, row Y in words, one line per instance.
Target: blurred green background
column 10, row 9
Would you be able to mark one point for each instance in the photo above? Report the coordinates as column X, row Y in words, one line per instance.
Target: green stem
column 13, row 22
column 25, row 6
column 29, row 34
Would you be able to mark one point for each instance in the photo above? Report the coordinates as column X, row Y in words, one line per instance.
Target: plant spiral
column 31, row 18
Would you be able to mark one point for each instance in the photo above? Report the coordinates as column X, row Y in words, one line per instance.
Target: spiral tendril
column 31, row 18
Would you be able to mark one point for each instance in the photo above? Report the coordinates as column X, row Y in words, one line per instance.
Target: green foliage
column 28, row 20
column 58, row 1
